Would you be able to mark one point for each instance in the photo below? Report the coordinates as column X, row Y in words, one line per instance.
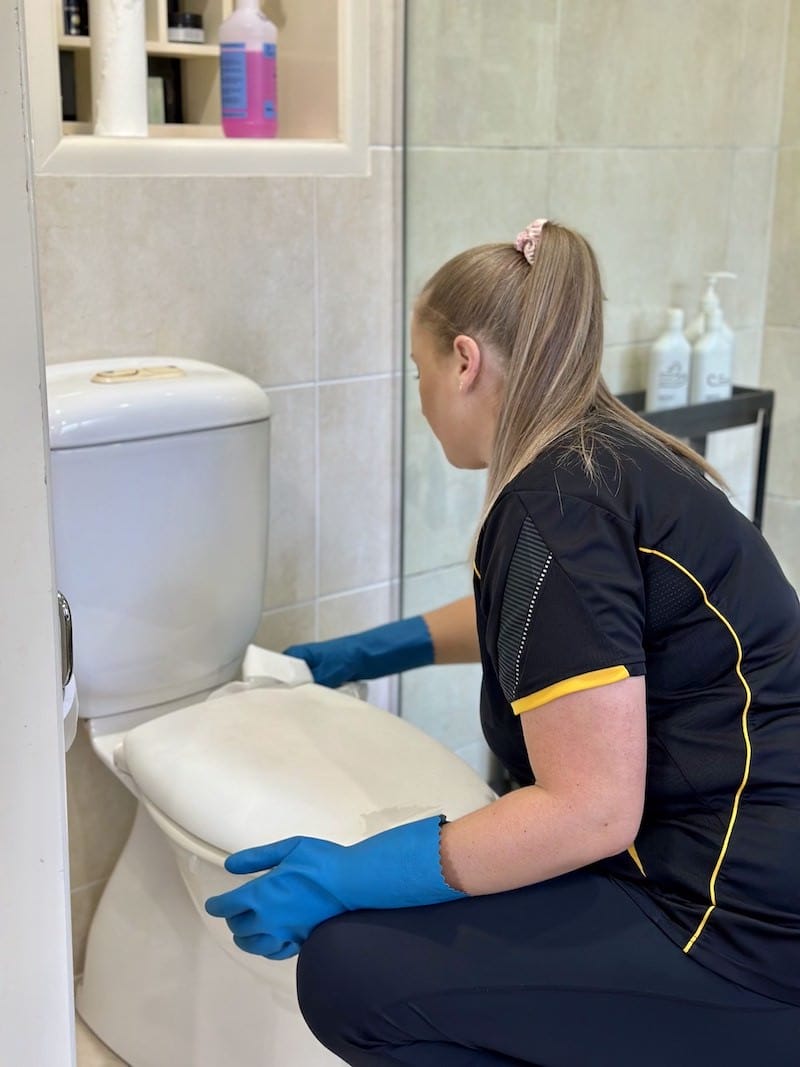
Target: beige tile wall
column 294, row 282
column 654, row 129
column 444, row 701
column 781, row 364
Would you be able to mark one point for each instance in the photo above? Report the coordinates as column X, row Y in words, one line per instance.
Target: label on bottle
column 667, row 381
column 186, row 35
column 270, row 110
column 673, row 376
column 717, row 385
column 672, row 385
column 249, row 90
column 233, row 80
column 711, row 370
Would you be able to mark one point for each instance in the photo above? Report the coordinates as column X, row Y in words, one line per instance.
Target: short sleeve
column 561, row 597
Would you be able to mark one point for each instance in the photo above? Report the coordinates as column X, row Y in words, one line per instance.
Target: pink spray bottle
column 247, row 47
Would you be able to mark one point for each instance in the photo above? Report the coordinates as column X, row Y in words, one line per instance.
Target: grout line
column 767, row 280
column 783, row 498
column 317, row 429
column 327, row 597
column 556, row 104
column 784, row 63
column 397, row 393
column 344, row 380
column 596, row 146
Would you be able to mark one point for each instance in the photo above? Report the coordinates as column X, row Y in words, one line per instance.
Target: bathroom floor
column 91, row 1050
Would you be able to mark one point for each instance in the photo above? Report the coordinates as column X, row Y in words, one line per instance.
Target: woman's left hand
column 308, row 880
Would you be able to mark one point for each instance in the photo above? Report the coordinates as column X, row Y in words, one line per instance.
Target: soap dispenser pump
column 710, row 303
column 248, row 73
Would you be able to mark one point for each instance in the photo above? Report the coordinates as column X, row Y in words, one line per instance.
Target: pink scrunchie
column 528, row 238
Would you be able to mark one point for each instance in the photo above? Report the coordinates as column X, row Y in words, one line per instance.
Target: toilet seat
column 267, row 763
column 182, row 838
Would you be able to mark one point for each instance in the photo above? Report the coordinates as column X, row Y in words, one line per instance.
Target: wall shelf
column 73, row 44
column 182, row 51
column 154, row 48
column 323, row 96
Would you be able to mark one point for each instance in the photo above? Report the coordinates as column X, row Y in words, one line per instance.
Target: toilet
column 159, row 479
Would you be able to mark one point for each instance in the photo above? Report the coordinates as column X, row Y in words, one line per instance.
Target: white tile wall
column 657, row 218
column 482, row 73
column 781, row 372
column 749, row 229
column 782, row 336
column 675, row 73
column 782, row 304
column 357, row 271
column 287, row 626
column 444, row 700
column 358, row 542
column 790, row 126
column 781, row 526
column 457, row 197
column 123, row 271
column 442, row 504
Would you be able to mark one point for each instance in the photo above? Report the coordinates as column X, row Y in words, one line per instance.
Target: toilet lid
column 259, row 765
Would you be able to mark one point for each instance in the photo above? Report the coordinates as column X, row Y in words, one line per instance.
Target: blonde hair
column 545, row 323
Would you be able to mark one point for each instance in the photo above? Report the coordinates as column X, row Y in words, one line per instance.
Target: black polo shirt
column 649, row 570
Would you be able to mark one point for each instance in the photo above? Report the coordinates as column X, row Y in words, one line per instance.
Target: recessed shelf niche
column 323, row 94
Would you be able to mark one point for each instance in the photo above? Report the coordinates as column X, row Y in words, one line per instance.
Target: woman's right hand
column 389, row 649
column 332, row 663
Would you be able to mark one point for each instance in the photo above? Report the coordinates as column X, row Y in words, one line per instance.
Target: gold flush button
column 137, row 374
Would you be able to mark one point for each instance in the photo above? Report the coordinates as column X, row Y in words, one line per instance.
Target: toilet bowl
column 163, row 981
column 159, row 478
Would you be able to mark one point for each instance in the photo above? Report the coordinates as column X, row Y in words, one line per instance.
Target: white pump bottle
column 668, row 372
column 712, row 360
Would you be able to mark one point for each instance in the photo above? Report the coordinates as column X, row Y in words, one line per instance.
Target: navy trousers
column 568, row 973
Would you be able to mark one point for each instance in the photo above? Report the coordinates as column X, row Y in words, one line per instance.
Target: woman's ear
column 469, row 357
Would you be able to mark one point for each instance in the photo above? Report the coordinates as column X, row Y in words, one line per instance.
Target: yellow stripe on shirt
column 578, row 684
column 748, row 751
column 634, row 855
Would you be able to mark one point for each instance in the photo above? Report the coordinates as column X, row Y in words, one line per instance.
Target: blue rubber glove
column 390, row 649
column 312, row 880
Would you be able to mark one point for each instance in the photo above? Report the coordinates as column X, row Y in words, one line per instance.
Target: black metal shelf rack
column 696, row 421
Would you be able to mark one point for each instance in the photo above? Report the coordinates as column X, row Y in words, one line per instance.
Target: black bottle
column 169, row 70
column 76, row 18
column 69, row 110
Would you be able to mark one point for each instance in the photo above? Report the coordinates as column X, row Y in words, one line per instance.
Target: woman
column 637, row 899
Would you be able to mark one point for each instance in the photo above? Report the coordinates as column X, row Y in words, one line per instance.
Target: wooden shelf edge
column 215, row 156
column 71, row 44
column 152, row 48
column 182, row 51
column 183, row 130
